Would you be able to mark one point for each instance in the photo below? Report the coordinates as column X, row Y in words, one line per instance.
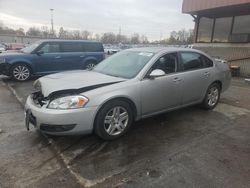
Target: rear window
column 72, row 47
column 92, row 47
column 191, row 61
column 207, row 62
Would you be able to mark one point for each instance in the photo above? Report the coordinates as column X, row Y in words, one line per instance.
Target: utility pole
column 52, row 21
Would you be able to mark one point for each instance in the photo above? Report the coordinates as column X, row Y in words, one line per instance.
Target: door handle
column 177, row 79
column 82, row 56
column 207, row 74
column 57, row 57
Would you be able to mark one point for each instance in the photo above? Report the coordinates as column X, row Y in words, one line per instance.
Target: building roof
column 162, row 49
column 199, row 6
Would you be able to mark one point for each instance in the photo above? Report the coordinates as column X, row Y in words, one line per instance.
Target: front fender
column 19, row 60
column 101, row 96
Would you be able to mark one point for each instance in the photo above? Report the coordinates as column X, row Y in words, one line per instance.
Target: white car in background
column 111, row 50
column 2, row 48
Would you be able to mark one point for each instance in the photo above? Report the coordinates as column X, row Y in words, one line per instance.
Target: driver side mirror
column 40, row 52
column 157, row 73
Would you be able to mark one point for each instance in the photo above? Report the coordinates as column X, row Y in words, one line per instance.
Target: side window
column 191, row 61
column 207, row 62
column 50, row 48
column 92, row 47
column 72, row 47
column 167, row 63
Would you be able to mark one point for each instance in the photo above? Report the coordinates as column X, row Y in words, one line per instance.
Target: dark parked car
column 50, row 56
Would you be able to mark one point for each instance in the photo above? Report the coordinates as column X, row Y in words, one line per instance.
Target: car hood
column 13, row 54
column 73, row 82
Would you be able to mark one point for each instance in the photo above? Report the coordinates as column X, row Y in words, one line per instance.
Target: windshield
column 126, row 64
column 31, row 47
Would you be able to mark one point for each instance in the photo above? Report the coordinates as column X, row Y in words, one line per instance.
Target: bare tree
column 85, row 35
column 135, row 39
column 108, row 38
column 20, row 32
column 97, row 37
column 33, row 31
column 144, row 39
column 181, row 37
column 61, row 33
column 76, row 34
column 1, row 24
column 45, row 31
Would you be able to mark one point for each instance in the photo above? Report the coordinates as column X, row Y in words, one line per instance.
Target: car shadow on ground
column 148, row 141
column 144, row 133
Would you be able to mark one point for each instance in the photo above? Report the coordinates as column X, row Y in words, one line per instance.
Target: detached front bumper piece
column 59, row 122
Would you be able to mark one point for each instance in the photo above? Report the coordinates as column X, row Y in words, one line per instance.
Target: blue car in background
column 50, row 56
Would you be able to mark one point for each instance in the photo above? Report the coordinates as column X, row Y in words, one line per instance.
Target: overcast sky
column 152, row 18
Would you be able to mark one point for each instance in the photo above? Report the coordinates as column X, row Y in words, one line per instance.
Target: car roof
column 162, row 49
column 61, row 40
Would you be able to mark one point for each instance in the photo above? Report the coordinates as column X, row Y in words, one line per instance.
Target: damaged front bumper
column 59, row 122
column 5, row 69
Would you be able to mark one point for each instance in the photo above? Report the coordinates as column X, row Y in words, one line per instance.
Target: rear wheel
column 90, row 65
column 20, row 72
column 212, row 96
column 113, row 120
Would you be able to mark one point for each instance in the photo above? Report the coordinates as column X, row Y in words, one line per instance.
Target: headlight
column 37, row 85
column 2, row 60
column 69, row 102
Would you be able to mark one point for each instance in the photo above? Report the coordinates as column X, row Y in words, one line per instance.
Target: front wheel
column 113, row 120
column 212, row 96
column 20, row 72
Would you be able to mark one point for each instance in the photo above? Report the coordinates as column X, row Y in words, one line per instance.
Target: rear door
column 72, row 56
column 94, row 51
column 196, row 76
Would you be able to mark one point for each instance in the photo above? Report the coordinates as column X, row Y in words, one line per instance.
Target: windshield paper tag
column 148, row 54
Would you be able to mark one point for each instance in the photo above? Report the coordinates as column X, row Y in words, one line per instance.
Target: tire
column 109, row 124
column 89, row 65
column 20, row 72
column 212, row 97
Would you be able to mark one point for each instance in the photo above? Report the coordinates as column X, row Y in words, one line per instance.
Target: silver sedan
column 126, row 87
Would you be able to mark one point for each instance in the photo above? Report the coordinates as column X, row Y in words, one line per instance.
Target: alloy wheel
column 116, row 120
column 21, row 73
column 90, row 66
column 213, row 96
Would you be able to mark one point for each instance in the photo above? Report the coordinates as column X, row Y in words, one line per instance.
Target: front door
column 162, row 93
column 48, row 59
